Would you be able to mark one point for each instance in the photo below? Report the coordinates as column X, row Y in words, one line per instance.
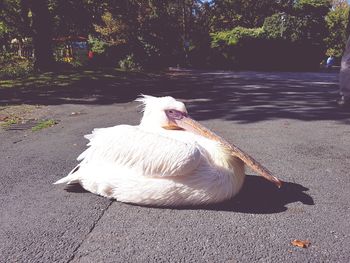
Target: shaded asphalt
column 287, row 121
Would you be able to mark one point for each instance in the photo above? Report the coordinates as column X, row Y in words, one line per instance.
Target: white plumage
column 166, row 160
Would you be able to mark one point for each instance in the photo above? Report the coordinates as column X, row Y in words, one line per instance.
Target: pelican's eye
column 175, row 114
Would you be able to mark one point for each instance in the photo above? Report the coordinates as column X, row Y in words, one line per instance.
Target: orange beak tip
column 279, row 184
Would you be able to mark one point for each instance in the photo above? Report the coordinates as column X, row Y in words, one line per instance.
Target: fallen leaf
column 3, row 117
column 301, row 243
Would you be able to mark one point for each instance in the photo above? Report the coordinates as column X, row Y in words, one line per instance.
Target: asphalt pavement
column 287, row 121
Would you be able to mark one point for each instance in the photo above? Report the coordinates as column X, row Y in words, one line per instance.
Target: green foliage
column 3, row 29
column 13, row 19
column 44, row 124
column 10, row 121
column 302, row 4
column 74, row 17
column 12, row 66
column 228, row 14
column 292, row 40
column 152, row 33
column 295, row 28
column 150, row 30
column 76, row 63
column 114, row 31
column 337, row 20
column 283, row 26
column 291, row 37
column 284, row 42
column 129, row 63
column 238, row 46
column 236, row 36
column 96, row 45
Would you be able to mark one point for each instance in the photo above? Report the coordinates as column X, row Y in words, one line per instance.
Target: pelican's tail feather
column 67, row 180
column 71, row 178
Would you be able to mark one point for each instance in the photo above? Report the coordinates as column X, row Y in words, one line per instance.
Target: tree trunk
column 348, row 28
column 42, row 35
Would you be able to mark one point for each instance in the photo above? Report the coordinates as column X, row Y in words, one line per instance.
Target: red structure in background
column 66, row 49
column 71, row 48
column 91, row 54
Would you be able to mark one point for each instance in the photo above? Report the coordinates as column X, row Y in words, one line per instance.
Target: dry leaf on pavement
column 301, row 243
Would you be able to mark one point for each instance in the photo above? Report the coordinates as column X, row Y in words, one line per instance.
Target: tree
column 337, row 21
column 228, row 14
column 200, row 49
column 149, row 31
column 42, row 35
column 114, row 31
column 75, row 17
column 30, row 19
column 293, row 40
column 14, row 21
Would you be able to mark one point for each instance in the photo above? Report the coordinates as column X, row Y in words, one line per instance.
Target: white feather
column 130, row 146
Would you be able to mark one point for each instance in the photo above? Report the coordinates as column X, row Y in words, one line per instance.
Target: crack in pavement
column 72, row 257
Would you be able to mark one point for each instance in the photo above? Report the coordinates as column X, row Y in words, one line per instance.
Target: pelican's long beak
column 191, row 125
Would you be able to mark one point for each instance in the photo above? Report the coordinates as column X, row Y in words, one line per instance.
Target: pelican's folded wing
column 149, row 153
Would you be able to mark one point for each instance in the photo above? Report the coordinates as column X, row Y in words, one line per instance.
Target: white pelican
column 167, row 160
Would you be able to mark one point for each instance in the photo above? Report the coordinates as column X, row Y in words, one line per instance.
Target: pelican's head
column 162, row 112
column 170, row 114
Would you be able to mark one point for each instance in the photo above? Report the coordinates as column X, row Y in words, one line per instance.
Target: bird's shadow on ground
column 75, row 188
column 259, row 196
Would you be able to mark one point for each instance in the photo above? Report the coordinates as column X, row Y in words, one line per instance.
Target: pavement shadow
column 259, row 196
column 75, row 188
column 258, row 96
column 236, row 96
column 97, row 87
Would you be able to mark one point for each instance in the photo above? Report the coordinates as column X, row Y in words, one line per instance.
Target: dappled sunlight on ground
column 68, row 78
column 237, row 96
